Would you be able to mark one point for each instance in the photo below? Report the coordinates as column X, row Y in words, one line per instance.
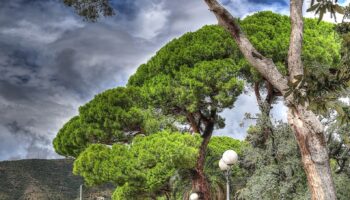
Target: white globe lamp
column 223, row 166
column 194, row 196
column 230, row 157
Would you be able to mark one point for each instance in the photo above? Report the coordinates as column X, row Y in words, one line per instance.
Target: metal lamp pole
column 228, row 159
column 81, row 192
column 228, row 184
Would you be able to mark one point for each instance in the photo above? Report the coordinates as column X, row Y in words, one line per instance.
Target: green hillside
column 38, row 179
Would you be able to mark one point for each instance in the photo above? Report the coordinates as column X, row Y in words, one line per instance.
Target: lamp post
column 228, row 159
column 194, row 196
column 81, row 192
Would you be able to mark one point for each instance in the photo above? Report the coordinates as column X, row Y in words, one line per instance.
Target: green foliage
column 141, row 168
column 338, row 136
column 342, row 183
column 70, row 140
column 343, row 28
column 180, row 184
column 196, row 73
column 331, row 82
column 91, row 9
column 206, row 44
column 156, row 164
column 269, row 33
column 321, row 7
column 217, row 146
column 113, row 116
column 48, row 179
column 276, row 171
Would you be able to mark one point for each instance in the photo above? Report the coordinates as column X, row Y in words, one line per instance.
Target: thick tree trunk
column 199, row 180
column 312, row 144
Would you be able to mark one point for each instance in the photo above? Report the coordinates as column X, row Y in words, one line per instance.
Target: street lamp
column 194, row 196
column 228, row 159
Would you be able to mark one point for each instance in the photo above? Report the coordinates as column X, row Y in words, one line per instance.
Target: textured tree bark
column 295, row 65
column 199, row 180
column 307, row 129
column 312, row 144
column 194, row 126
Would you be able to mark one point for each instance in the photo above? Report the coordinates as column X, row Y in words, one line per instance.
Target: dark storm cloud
column 66, row 75
column 52, row 62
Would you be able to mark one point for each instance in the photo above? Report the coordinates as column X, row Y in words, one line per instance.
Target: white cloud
column 31, row 32
column 243, row 8
column 151, row 20
column 39, row 33
column 246, row 103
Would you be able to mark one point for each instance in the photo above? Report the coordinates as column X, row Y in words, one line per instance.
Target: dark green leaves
column 321, row 7
column 269, row 32
column 91, row 9
column 321, row 88
column 113, row 116
column 142, row 168
column 196, row 73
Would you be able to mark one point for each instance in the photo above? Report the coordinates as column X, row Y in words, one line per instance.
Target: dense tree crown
column 199, row 69
column 193, row 77
column 91, row 9
column 142, row 168
column 183, row 89
column 196, row 73
column 113, row 116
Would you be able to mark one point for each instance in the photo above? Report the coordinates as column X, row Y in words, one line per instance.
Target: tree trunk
column 265, row 109
column 312, row 144
column 194, row 125
column 199, row 180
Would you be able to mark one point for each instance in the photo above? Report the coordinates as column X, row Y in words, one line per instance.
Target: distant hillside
column 38, row 179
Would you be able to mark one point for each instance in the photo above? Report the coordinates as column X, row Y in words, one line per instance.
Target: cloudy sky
column 51, row 61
